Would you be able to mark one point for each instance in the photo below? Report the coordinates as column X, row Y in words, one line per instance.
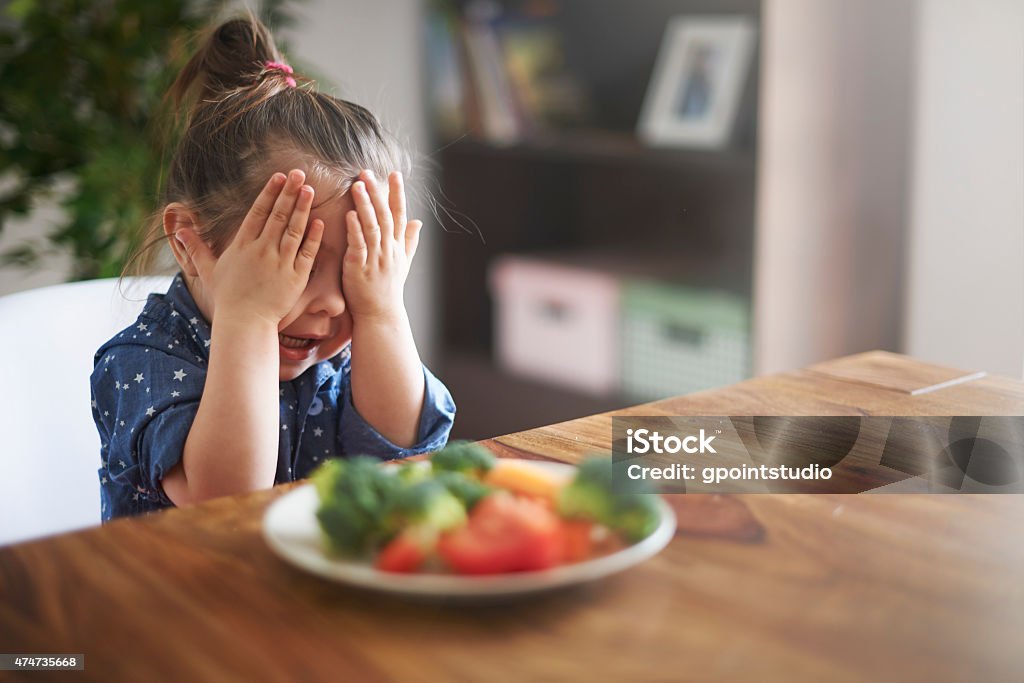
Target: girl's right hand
column 265, row 268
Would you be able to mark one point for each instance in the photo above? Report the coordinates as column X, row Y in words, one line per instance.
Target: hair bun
column 233, row 56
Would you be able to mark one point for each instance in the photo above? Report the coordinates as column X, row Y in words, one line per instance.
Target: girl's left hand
column 381, row 246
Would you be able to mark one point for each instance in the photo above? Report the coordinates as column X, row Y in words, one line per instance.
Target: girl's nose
column 329, row 300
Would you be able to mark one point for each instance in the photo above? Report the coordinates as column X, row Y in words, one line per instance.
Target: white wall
column 832, row 178
column 966, row 266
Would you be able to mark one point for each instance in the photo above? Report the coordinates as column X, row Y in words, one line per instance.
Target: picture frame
column 697, row 83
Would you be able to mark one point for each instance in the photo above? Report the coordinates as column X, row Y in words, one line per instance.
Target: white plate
column 291, row 530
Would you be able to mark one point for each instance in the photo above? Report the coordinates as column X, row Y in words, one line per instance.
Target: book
column 490, row 81
column 445, row 74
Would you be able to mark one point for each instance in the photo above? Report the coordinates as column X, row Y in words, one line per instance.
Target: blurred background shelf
column 493, row 402
column 582, row 190
column 604, row 146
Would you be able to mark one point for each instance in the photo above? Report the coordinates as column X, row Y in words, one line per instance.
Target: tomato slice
column 504, row 533
column 577, row 540
column 406, row 552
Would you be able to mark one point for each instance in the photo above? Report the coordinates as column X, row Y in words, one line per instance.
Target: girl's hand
column 381, row 246
column 264, row 270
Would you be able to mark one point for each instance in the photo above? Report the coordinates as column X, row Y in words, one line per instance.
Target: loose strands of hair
column 236, row 118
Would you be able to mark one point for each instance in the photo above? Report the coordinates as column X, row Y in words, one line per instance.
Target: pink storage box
column 556, row 322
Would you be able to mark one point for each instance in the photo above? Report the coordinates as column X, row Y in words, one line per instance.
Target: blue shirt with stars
column 147, row 382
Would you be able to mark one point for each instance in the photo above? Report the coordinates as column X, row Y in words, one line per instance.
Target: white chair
column 49, row 447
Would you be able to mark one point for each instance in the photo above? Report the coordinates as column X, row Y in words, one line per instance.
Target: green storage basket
column 677, row 340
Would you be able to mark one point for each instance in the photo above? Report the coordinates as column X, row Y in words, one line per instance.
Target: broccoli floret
column 590, row 496
column 354, row 497
column 326, row 477
column 635, row 515
column 468, row 490
column 425, row 505
column 412, row 472
column 463, row 456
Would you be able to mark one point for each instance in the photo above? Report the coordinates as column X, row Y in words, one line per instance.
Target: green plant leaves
column 83, row 99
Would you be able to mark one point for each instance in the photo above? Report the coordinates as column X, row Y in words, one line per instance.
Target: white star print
column 194, row 321
column 139, row 377
column 103, row 480
column 284, row 427
column 150, row 412
column 94, row 403
column 143, row 327
column 106, row 413
column 318, row 432
column 117, row 384
column 121, row 462
column 180, row 375
column 135, row 496
column 175, row 394
column 174, row 314
column 122, row 423
column 206, row 342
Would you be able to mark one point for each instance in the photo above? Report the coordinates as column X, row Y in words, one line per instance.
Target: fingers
column 379, row 195
column 256, row 218
column 367, row 217
column 396, row 201
column 198, row 252
column 310, row 246
column 356, row 252
column 284, row 206
column 295, row 230
column 412, row 238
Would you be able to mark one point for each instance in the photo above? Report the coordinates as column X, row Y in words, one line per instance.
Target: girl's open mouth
column 296, row 348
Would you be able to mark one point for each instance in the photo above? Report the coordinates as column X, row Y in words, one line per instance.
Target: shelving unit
column 586, row 189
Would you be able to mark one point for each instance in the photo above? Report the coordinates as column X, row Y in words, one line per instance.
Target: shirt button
column 317, row 406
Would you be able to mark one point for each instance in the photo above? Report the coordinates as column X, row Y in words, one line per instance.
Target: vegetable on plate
column 466, row 512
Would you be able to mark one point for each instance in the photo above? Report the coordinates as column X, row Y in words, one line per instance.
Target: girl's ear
column 177, row 216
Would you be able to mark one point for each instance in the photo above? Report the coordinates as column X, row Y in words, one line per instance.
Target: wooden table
column 769, row 587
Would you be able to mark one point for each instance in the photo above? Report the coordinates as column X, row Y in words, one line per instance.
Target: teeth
column 293, row 342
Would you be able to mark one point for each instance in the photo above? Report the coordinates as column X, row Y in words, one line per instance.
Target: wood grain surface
column 769, row 587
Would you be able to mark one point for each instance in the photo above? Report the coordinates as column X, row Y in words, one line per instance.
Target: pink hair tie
column 280, row 66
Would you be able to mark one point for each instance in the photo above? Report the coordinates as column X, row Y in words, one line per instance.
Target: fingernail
column 277, row 179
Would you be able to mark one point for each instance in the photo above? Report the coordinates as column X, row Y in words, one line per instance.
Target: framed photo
column 697, row 82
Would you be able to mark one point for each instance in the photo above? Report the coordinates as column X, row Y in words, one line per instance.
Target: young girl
column 284, row 340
